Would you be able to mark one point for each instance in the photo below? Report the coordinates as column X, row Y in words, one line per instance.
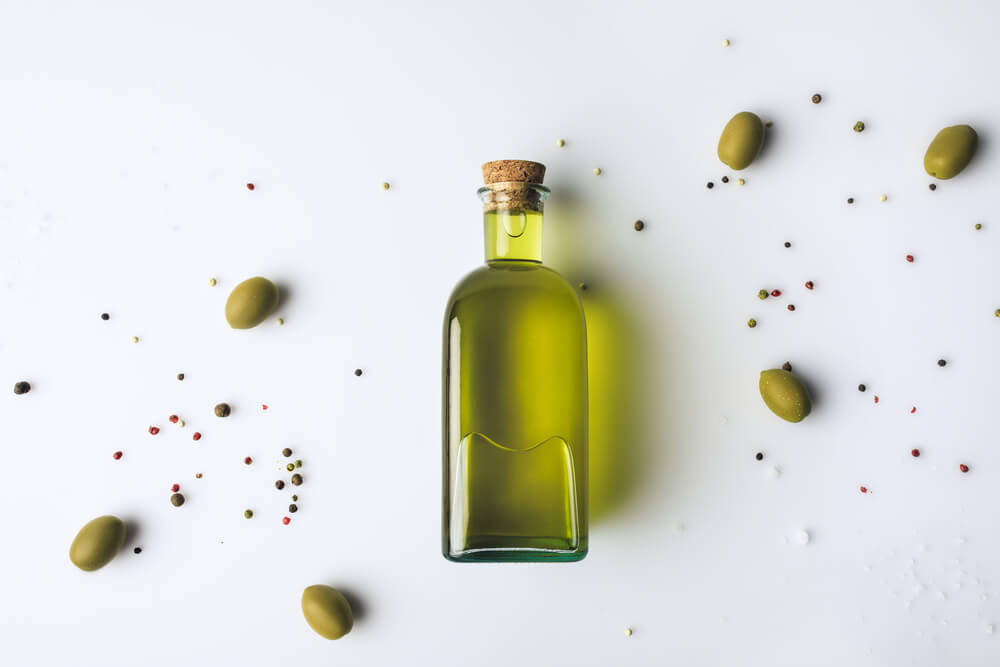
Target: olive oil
column 515, row 392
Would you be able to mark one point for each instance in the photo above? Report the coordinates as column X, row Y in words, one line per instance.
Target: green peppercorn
column 859, row 127
column 297, row 479
column 751, row 323
column 762, row 294
column 298, row 463
column 21, row 388
column 997, row 312
column 293, row 508
column 979, row 226
column 290, row 467
column 248, row 514
column 286, row 452
column 295, row 498
column 223, row 410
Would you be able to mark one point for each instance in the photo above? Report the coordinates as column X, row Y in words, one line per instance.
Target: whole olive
column 741, row 140
column 950, row 151
column 327, row 611
column 785, row 394
column 97, row 543
column 251, row 302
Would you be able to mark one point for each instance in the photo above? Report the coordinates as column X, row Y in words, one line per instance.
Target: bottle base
column 518, row 551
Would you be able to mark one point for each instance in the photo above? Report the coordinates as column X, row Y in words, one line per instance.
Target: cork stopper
column 513, row 171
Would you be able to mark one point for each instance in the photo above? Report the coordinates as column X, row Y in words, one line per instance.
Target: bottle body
column 515, row 416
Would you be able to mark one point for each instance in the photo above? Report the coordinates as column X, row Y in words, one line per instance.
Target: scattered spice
column 933, row 187
column 251, row 186
column 859, row 127
column 175, row 488
column 223, row 410
column 247, row 460
column 177, row 500
column 963, row 467
column 293, row 508
column 173, row 419
column 212, row 282
column 597, row 171
column 105, row 316
column 759, row 456
column 776, row 292
column 287, row 451
column 560, row 143
column 762, row 294
column 297, row 479
column 153, row 430
column 791, row 307
column 788, row 244
column 279, row 485
column 21, row 387
column 740, row 181
column 135, row 339
column 751, row 323
column 298, row 463
column 248, row 513
column 639, row 225
column 787, row 366
column 196, row 436
column 180, row 376
column 710, row 185
column 809, row 284
column 197, row 475
column 914, row 453
column 850, row 200
column 863, row 489
column 883, row 198
column 286, row 520
column 861, row 387
column 116, row 455
column 817, row 98
column 725, row 179
column 942, row 362
column 137, row 550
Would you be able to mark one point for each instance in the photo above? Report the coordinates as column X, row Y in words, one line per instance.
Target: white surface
column 126, row 136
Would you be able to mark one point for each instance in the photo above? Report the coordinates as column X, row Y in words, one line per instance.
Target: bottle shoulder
column 517, row 276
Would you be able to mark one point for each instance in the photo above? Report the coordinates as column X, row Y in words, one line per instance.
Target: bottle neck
column 512, row 221
column 513, row 235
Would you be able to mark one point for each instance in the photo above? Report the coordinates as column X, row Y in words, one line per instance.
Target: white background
column 127, row 133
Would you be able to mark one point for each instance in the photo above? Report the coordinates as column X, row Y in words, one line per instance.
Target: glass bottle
column 515, row 391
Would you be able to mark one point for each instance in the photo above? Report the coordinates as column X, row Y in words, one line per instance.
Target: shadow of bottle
column 619, row 438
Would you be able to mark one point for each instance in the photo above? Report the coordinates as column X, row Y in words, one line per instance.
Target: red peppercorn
column 909, row 258
column 963, row 468
column 913, row 409
column 250, row 186
column 174, row 419
column 914, row 453
column 248, row 460
column 876, row 399
column 196, row 436
column 286, row 521
column 864, row 489
column 175, row 488
column 776, row 292
column 117, row 455
column 153, row 430
column 809, row 284
column 263, row 406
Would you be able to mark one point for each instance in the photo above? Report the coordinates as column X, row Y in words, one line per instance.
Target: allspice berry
column 177, row 500
column 223, row 410
column 297, row 479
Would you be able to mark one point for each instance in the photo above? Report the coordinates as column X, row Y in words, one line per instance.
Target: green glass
column 515, row 402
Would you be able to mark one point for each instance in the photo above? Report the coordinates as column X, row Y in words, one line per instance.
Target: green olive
column 97, row 543
column 251, row 302
column 950, row 151
column 785, row 394
column 741, row 140
column 327, row 611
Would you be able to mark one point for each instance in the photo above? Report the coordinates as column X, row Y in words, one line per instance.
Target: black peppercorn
column 932, row 187
column 817, row 98
column 137, row 550
column 293, row 508
column 861, row 387
column 710, row 185
column 223, row 410
column 286, row 451
column 297, row 479
column 357, row 371
column 639, row 225
column 787, row 366
column 725, row 179
column 279, row 485
column 850, row 200
column 759, row 456
column 105, row 316
column 941, row 362
column 21, row 388
column 180, row 376
column 788, row 244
